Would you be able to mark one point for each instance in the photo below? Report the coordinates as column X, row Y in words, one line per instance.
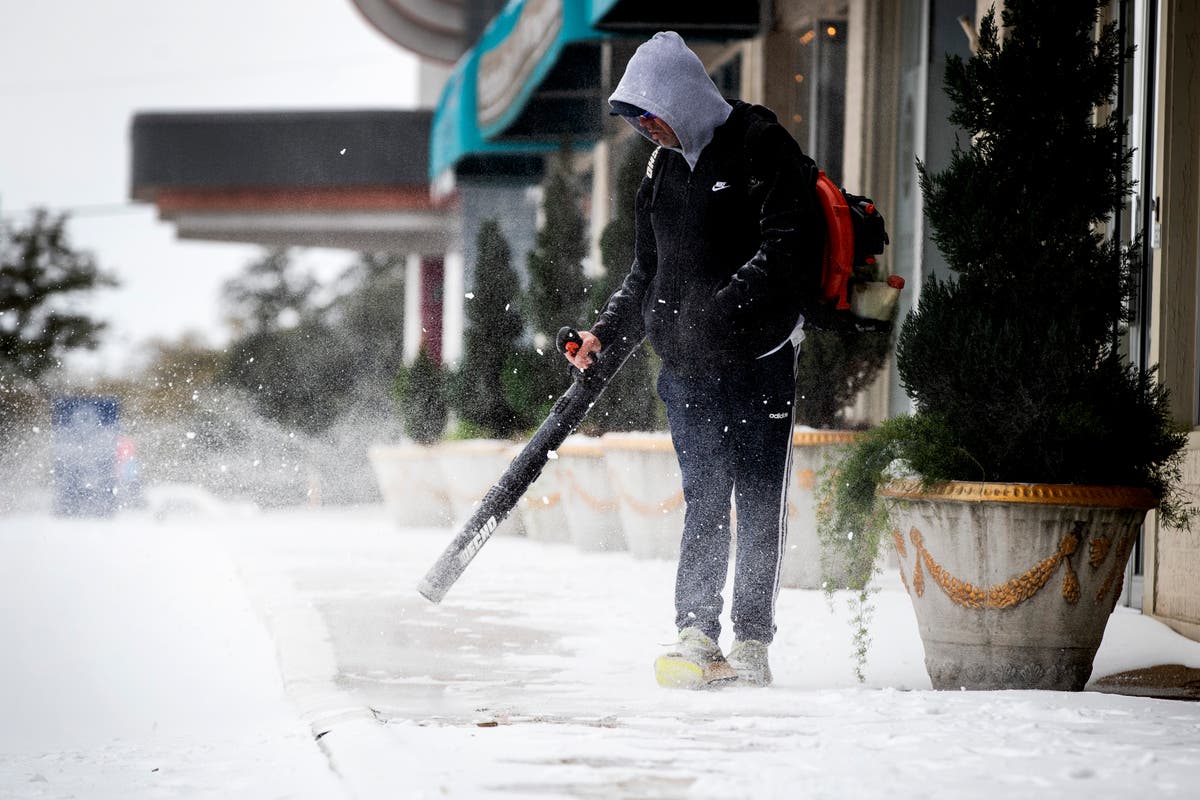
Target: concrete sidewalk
column 535, row 674
column 1163, row 681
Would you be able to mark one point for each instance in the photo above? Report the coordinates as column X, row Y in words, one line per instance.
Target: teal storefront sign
column 498, row 81
column 456, row 133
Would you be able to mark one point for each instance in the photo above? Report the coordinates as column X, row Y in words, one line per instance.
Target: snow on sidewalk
column 133, row 665
column 532, row 680
column 195, row 658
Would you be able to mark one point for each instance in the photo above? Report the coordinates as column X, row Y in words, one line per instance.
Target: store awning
column 458, row 146
column 532, row 81
column 685, row 17
column 350, row 179
column 534, row 52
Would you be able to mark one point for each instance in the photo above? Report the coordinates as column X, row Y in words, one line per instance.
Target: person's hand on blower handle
column 579, row 348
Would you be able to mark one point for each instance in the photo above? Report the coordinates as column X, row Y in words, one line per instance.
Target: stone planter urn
column 469, row 468
column 1013, row 584
column 588, row 501
column 411, row 485
column 644, row 475
column 812, row 450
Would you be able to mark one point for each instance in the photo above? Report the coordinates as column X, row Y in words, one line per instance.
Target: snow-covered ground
column 212, row 653
column 132, row 665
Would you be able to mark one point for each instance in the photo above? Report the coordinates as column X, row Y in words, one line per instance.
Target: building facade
column 858, row 82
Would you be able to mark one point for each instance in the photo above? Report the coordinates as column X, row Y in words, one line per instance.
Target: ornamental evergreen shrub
column 532, row 379
column 536, row 375
column 832, row 368
column 1018, row 353
column 420, row 392
column 493, row 330
column 1013, row 363
column 556, row 282
column 630, row 401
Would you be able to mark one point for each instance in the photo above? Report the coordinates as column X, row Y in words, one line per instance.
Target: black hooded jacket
column 726, row 252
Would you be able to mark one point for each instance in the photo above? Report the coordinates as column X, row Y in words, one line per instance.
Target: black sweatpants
column 732, row 431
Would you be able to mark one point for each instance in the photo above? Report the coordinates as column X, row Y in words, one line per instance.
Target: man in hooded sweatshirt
column 726, row 248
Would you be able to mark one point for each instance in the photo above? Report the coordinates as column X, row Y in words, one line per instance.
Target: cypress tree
column 494, row 328
column 556, row 283
column 421, row 394
column 535, row 375
column 1017, row 352
column 630, row 401
column 1014, row 362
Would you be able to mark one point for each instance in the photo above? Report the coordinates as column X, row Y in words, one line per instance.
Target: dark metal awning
column 353, row 179
column 727, row 20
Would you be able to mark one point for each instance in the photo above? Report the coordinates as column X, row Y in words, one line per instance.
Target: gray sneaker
column 693, row 662
column 749, row 658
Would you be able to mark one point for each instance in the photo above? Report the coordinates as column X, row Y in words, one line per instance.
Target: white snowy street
column 287, row 654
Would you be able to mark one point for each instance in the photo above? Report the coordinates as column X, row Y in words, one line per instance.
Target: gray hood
column 667, row 79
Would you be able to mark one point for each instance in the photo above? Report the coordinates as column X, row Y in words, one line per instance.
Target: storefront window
column 1136, row 225
column 728, row 77
column 906, row 219
column 817, row 108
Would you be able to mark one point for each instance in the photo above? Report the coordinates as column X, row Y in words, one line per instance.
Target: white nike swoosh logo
column 719, row 185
